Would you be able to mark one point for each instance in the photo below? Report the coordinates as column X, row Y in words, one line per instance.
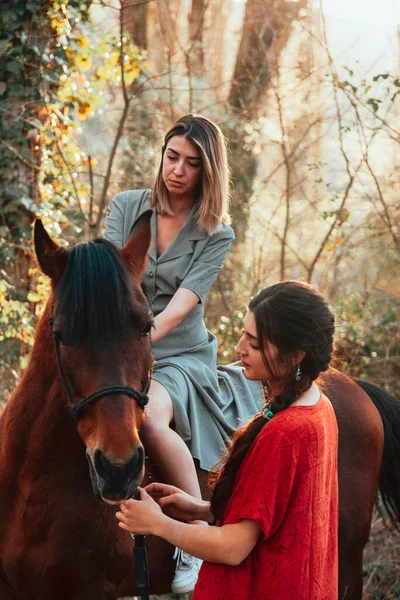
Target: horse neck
column 37, row 409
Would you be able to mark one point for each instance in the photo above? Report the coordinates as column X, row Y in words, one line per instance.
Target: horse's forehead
column 98, row 297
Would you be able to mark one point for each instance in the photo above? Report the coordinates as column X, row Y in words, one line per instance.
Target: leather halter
column 77, row 407
column 139, row 550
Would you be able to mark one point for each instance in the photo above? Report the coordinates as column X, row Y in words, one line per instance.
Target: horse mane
column 93, row 296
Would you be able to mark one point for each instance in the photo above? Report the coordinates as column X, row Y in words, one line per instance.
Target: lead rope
column 140, row 562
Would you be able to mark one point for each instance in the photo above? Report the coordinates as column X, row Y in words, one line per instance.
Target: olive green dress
column 209, row 402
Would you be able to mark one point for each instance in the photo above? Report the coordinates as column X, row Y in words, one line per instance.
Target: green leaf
column 394, row 95
column 374, row 102
column 32, row 7
column 14, row 67
column 4, row 46
column 15, row 89
column 380, row 76
column 34, row 297
column 3, row 87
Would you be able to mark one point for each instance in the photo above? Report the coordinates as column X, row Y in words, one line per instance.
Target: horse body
column 359, row 458
column 56, row 539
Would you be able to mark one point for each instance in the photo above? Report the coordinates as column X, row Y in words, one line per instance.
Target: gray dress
column 209, row 402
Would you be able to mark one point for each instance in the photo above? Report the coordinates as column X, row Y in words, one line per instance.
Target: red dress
column 287, row 483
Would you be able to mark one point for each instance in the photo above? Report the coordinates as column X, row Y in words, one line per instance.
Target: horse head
column 100, row 322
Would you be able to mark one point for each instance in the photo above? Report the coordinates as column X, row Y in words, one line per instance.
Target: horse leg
column 350, row 568
column 356, row 502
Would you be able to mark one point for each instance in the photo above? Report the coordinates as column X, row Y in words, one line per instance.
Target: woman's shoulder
column 224, row 232
column 301, row 425
column 131, row 198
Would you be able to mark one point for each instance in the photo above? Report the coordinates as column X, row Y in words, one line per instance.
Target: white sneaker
column 186, row 572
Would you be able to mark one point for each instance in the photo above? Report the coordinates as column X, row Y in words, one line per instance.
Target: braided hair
column 293, row 317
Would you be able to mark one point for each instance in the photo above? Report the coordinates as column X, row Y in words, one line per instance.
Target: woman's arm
column 180, row 305
column 179, row 504
column 115, row 220
column 195, row 285
column 229, row 544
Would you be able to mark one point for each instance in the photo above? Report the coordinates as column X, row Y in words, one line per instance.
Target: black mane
column 92, row 298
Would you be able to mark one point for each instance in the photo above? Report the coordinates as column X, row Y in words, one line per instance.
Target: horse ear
column 138, row 244
column 51, row 257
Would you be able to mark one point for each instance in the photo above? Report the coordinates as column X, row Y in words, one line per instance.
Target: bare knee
column 159, row 412
column 153, row 427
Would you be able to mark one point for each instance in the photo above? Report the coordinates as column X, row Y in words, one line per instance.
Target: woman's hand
column 139, row 516
column 215, row 544
column 178, row 504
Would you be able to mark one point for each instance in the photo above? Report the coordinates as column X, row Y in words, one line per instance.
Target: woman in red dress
column 275, row 502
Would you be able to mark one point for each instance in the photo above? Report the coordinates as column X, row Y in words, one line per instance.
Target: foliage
column 32, row 57
column 368, row 338
column 51, row 47
column 228, row 331
column 382, row 563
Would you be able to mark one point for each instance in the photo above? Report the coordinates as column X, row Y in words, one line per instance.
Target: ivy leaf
column 15, row 89
column 27, row 203
column 33, row 297
column 14, row 67
column 4, row 46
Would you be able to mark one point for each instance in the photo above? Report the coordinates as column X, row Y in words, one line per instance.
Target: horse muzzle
column 112, row 483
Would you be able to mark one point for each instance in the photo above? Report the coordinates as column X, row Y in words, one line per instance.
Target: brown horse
column 56, row 540
column 80, row 403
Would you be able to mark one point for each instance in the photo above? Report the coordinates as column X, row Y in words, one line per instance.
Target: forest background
column 312, row 120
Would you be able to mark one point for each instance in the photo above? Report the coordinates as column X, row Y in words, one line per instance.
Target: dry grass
column 382, row 563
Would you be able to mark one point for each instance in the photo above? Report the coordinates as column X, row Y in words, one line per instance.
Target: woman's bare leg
column 164, row 445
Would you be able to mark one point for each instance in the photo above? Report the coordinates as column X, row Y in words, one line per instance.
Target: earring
column 298, row 373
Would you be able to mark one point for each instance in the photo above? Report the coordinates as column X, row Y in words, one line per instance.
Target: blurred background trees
column 86, row 91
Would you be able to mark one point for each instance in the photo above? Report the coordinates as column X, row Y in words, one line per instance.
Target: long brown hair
column 214, row 188
column 294, row 317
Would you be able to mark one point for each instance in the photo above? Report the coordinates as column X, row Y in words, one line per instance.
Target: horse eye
column 147, row 328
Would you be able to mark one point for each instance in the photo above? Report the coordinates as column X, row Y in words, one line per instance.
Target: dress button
column 151, row 274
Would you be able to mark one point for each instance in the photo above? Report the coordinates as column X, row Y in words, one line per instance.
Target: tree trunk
column 266, row 30
column 135, row 21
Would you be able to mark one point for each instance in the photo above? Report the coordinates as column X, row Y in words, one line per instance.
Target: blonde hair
column 214, row 187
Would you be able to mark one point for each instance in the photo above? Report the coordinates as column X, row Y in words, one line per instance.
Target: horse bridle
column 142, row 398
column 76, row 408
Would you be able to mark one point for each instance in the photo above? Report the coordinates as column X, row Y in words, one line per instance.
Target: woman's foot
column 186, row 572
